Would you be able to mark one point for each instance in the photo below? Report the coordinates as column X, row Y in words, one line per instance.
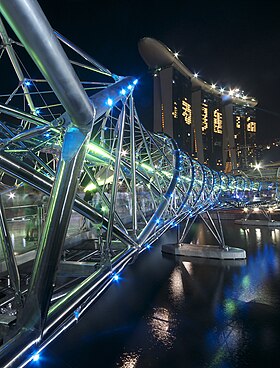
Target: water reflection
column 226, row 315
column 247, row 294
column 129, row 360
column 162, row 326
column 275, row 235
column 242, row 233
column 176, row 288
column 189, row 267
column 252, row 235
column 258, row 236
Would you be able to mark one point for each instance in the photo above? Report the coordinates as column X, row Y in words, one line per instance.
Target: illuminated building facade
column 214, row 125
column 172, row 106
column 245, row 130
column 209, row 125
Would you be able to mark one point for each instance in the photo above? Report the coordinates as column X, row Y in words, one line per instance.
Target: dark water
column 178, row 312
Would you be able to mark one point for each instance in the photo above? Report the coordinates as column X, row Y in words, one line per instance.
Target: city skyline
column 232, row 46
column 212, row 124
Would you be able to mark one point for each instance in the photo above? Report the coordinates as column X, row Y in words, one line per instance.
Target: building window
column 175, row 110
column 204, row 117
column 251, row 125
column 237, row 120
column 162, row 117
column 186, row 111
column 218, row 122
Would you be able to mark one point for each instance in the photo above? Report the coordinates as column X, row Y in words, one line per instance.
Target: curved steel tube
column 102, row 133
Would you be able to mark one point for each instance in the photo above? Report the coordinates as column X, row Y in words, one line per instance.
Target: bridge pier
column 204, row 251
column 219, row 251
column 262, row 216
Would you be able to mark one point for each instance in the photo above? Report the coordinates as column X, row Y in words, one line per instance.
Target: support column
column 34, row 31
column 9, row 256
column 132, row 165
column 116, row 178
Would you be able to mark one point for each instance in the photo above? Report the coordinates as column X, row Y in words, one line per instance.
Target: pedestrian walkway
column 25, row 249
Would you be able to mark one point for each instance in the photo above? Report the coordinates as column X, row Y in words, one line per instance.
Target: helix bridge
column 67, row 126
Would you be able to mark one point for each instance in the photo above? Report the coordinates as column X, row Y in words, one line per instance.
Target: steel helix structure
column 74, row 129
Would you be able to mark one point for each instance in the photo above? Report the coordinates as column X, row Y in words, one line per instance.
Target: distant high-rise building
column 245, row 129
column 172, row 106
column 211, row 128
column 214, row 125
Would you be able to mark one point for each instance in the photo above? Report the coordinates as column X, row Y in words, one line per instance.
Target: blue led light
column 36, row 357
column 76, row 314
column 129, row 87
column 116, row 277
column 135, row 81
column 27, row 83
column 37, row 111
column 109, row 102
column 148, row 246
column 123, row 91
column 157, row 221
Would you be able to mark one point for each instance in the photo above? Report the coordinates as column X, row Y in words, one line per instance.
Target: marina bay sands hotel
column 214, row 125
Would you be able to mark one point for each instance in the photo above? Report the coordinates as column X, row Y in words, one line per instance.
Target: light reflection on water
column 163, row 322
column 176, row 288
column 194, row 313
column 247, row 285
column 248, row 291
column 129, row 360
column 258, row 236
column 275, row 235
column 189, row 267
column 163, row 326
column 236, row 290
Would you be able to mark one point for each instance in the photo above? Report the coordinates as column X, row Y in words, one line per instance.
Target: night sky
column 234, row 44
